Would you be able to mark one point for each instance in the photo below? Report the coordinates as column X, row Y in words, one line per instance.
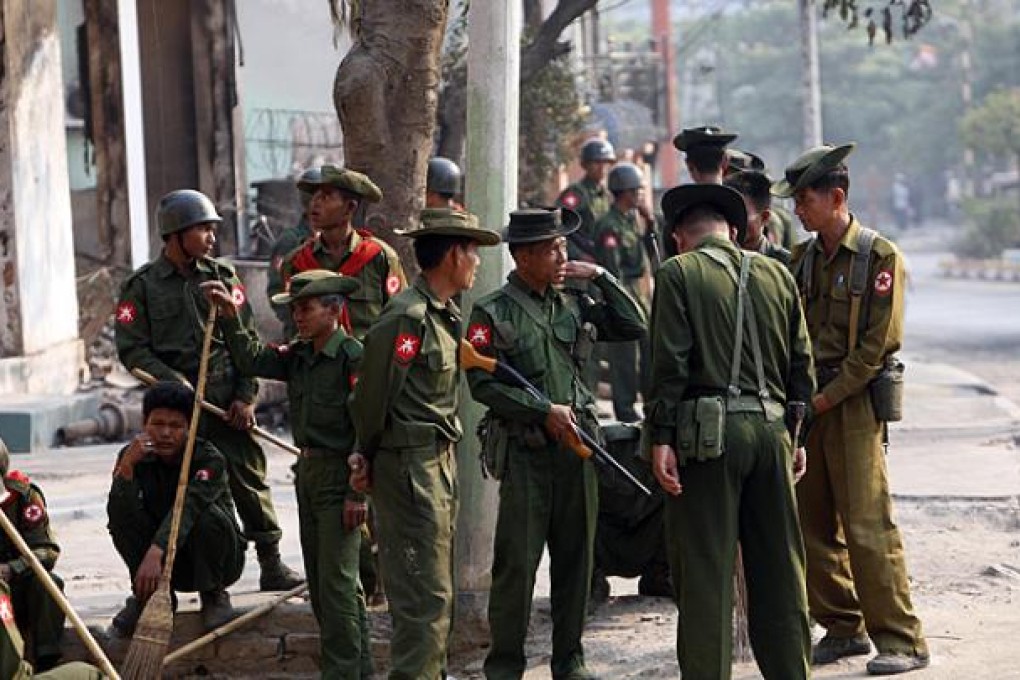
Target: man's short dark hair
column 171, row 395
column 698, row 214
column 837, row 178
column 756, row 191
column 706, row 157
column 429, row 251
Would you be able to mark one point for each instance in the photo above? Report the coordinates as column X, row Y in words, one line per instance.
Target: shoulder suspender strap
column 804, row 272
column 738, row 341
column 859, row 281
column 759, row 364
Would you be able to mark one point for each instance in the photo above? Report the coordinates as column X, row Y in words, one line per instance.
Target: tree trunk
column 386, row 95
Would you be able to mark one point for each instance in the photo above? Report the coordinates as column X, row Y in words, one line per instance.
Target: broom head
column 152, row 637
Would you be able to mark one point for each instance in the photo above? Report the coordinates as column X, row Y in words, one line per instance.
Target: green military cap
column 450, row 222
column 316, row 282
column 706, row 135
column 342, row 178
column 743, row 160
column 727, row 201
column 811, row 166
column 532, row 225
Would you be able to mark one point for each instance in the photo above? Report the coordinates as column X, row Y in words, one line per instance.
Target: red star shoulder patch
column 406, row 348
column 33, row 514
column 126, row 312
column 18, row 476
column 883, row 283
column 392, row 284
column 571, row 200
column 203, row 475
column 353, row 380
column 479, row 335
column 237, row 294
column 610, row 241
column 6, row 611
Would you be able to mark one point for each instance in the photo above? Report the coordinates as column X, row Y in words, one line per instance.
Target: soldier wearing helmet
column 588, row 197
column 289, row 240
column 160, row 322
column 443, row 183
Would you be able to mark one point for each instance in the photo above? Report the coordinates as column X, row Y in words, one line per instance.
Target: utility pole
column 493, row 71
column 662, row 33
column 812, row 92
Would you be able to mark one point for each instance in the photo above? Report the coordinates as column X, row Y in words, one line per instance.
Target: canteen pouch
column 494, row 437
column 886, row 391
column 710, row 414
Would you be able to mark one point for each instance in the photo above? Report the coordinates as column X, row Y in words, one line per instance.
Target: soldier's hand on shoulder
column 217, row 294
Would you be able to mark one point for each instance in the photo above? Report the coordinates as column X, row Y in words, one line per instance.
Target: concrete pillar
column 811, row 80
column 39, row 347
column 134, row 136
column 491, row 191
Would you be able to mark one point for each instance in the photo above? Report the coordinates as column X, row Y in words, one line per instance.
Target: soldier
column 442, row 184
column 705, row 151
column 34, row 609
column 210, row 547
column 290, row 239
column 339, row 247
column 588, row 197
column 320, row 369
column 12, row 651
column 779, row 227
column 159, row 328
column 755, row 188
column 844, row 502
column 718, row 443
column 548, row 495
column 405, row 412
column 619, row 247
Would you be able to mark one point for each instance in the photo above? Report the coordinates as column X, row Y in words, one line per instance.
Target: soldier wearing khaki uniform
column 404, row 409
column 857, row 574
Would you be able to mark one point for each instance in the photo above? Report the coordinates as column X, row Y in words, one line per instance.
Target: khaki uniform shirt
column 694, row 327
column 827, row 307
column 160, row 323
column 409, row 388
column 381, row 279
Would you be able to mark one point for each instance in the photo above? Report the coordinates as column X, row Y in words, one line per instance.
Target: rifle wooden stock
column 257, row 431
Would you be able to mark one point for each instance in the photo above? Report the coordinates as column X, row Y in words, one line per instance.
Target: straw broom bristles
column 156, row 624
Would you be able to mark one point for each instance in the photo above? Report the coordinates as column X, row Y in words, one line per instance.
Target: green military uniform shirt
column 781, row 227
column 409, row 388
column 381, row 278
column 155, row 483
column 289, row 240
column 677, row 378
column 827, row 307
column 774, row 251
column 25, row 506
column 161, row 321
column 618, row 244
column 591, row 201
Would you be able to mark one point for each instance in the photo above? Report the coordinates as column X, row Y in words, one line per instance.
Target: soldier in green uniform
column 12, row 651
column 705, row 152
column 290, row 240
column 405, row 412
column 588, row 197
column 210, row 547
column 857, row 574
column 442, row 184
column 779, row 227
column 547, row 495
column 159, row 328
column 35, row 610
column 320, row 369
column 722, row 372
column 619, row 247
column 339, row 247
column 755, row 187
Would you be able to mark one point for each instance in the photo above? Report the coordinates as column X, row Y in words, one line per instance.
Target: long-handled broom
column 156, row 625
column 44, row 577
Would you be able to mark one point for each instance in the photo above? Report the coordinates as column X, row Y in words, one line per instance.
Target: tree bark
column 386, row 94
column 546, row 44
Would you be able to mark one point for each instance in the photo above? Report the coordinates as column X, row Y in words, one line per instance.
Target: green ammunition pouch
column 886, row 391
column 700, row 429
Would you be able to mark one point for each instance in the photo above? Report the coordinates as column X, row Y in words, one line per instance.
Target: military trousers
column 331, row 566
column 210, row 557
column 745, row 495
column 416, row 498
column 857, row 573
column 628, row 374
column 39, row 618
column 548, row 497
column 247, row 467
